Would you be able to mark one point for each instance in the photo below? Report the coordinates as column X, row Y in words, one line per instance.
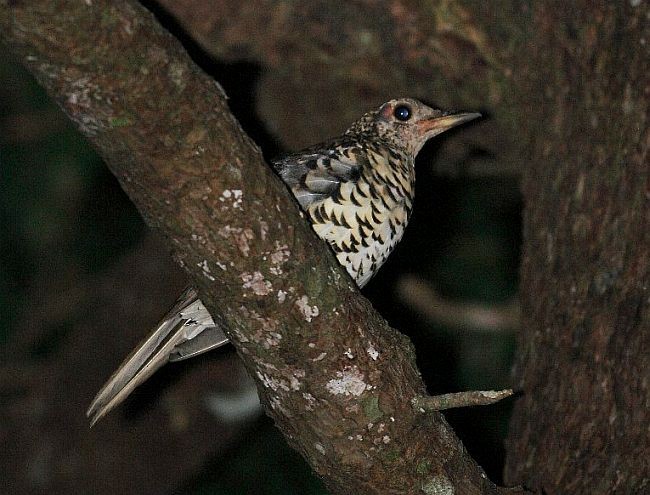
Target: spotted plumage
column 357, row 191
column 358, row 195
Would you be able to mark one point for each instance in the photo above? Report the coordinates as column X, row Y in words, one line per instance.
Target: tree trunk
column 581, row 425
column 567, row 90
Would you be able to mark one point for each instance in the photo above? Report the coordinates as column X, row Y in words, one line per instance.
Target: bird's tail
column 186, row 331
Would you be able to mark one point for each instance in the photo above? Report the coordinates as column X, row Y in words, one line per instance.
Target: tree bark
column 581, row 426
column 332, row 374
column 567, row 88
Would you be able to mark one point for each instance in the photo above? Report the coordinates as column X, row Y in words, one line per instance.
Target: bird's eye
column 402, row 112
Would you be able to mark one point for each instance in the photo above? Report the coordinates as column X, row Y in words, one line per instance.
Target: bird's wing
column 186, row 331
column 317, row 174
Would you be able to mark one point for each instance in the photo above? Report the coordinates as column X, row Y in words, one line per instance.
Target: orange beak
column 437, row 125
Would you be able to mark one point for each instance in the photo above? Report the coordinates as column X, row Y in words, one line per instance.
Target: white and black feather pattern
column 358, row 195
column 314, row 176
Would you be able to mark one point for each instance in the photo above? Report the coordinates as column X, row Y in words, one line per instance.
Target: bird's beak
column 437, row 125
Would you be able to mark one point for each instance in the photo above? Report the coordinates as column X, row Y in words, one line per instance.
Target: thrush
column 357, row 191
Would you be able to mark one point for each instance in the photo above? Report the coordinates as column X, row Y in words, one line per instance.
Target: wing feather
column 314, row 177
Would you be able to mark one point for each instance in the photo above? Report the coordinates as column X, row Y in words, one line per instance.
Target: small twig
column 498, row 318
column 430, row 403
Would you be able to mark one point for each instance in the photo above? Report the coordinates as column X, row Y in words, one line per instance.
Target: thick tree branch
column 330, row 371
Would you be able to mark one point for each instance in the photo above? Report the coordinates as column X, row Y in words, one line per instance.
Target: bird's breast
column 365, row 219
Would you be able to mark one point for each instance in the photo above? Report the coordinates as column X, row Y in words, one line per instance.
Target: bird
column 357, row 191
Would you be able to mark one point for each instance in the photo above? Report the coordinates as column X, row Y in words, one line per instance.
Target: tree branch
column 441, row 402
column 473, row 317
column 327, row 365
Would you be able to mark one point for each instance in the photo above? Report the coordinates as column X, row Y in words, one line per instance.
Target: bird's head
column 406, row 124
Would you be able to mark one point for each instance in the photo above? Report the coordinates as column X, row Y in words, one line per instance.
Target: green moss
column 392, row 455
column 371, row 408
column 122, row 121
column 423, row 466
column 108, row 18
column 313, row 281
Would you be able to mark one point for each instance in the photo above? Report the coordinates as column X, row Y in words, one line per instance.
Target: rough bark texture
column 567, row 88
column 335, row 378
column 581, row 425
